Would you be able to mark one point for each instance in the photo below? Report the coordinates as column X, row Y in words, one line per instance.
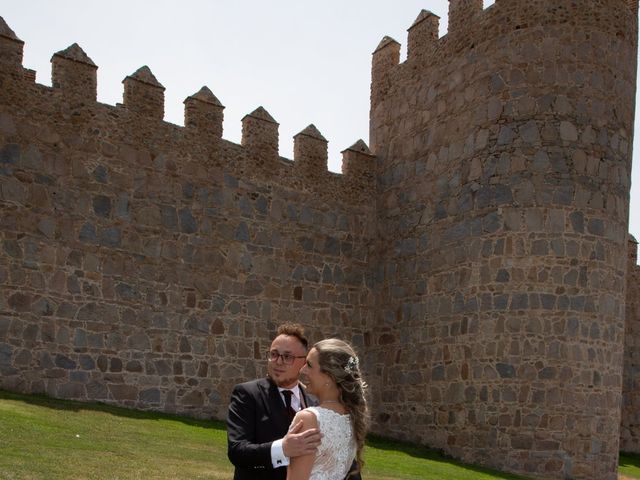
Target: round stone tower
column 504, row 159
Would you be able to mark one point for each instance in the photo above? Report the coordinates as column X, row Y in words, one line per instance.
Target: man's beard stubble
column 284, row 382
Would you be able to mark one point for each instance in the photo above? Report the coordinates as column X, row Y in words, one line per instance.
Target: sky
column 303, row 61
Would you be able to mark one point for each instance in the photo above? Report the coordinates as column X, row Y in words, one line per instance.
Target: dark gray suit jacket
column 256, row 418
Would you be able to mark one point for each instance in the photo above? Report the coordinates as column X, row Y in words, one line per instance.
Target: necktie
column 287, row 402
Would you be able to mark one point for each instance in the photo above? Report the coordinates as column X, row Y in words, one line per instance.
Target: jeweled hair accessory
column 352, row 365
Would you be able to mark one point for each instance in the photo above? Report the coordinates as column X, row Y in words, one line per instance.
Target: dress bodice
column 338, row 447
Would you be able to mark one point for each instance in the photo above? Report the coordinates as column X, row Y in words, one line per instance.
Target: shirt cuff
column 277, row 455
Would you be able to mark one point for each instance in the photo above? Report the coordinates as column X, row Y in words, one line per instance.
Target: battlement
column 471, row 252
column 470, row 26
column 487, row 213
column 204, row 113
column 74, row 82
column 11, row 48
column 74, row 73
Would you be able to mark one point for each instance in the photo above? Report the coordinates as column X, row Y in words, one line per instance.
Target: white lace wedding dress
column 338, row 448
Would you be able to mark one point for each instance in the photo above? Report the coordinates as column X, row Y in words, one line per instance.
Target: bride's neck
column 328, row 399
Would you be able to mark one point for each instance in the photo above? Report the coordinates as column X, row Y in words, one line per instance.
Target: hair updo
column 338, row 359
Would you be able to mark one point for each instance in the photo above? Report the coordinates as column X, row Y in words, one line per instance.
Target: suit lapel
column 274, row 407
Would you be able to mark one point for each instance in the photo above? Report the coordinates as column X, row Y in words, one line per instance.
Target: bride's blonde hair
column 338, row 359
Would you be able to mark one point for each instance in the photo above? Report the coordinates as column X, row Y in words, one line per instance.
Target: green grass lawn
column 629, row 465
column 44, row 438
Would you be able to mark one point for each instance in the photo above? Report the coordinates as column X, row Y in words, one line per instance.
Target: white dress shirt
column 278, row 458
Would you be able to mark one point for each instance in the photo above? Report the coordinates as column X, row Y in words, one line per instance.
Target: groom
column 259, row 413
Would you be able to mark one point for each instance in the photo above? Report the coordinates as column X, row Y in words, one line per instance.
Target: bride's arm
column 300, row 467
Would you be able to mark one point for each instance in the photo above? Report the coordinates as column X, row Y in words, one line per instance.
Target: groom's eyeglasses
column 287, row 358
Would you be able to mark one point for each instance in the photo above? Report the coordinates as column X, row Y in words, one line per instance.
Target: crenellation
column 29, row 75
column 260, row 138
column 74, row 73
column 7, row 32
column 11, row 48
column 74, row 76
column 632, row 251
column 358, row 165
column 423, row 35
column 463, row 15
column 203, row 122
column 474, row 259
column 386, row 58
column 204, row 113
column 490, row 232
column 143, row 94
column 310, row 152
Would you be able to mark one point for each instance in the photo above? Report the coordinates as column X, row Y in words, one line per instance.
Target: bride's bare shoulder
column 307, row 417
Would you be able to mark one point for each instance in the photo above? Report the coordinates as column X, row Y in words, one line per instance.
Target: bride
column 332, row 374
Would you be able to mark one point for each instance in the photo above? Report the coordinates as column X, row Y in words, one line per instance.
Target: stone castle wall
column 474, row 261
column 148, row 265
column 504, row 160
column 630, row 428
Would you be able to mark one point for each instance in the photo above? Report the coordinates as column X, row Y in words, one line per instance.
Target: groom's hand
column 296, row 444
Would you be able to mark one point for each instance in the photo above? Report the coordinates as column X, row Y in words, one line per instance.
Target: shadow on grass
column 629, row 460
column 42, row 400
column 411, row 449
column 434, row 455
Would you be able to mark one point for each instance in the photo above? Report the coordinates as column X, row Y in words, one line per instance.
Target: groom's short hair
column 294, row 330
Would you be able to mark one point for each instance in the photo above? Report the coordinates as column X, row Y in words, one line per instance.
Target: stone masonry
column 475, row 256
column 146, row 264
column 630, row 428
column 503, row 163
